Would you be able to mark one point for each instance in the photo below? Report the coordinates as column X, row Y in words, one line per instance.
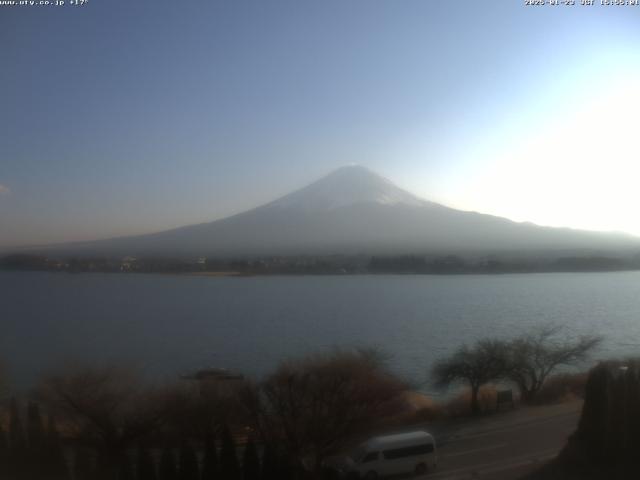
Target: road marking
column 475, row 450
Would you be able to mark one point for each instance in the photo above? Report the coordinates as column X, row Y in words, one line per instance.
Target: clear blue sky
column 125, row 117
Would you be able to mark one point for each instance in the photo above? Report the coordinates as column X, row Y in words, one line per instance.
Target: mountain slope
column 350, row 211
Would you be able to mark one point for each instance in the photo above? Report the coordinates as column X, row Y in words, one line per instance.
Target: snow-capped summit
column 349, row 185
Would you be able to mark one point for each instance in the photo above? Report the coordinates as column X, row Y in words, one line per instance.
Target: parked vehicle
column 398, row 454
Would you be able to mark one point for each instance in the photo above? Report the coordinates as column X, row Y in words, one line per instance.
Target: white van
column 402, row 453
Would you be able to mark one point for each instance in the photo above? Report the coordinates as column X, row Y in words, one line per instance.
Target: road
column 504, row 446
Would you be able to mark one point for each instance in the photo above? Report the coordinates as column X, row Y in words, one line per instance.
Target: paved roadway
column 504, row 446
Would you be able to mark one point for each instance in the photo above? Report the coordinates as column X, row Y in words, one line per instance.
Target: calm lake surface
column 168, row 325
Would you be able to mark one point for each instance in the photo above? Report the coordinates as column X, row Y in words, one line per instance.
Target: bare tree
column 196, row 409
column 105, row 408
column 314, row 404
column 534, row 356
column 484, row 362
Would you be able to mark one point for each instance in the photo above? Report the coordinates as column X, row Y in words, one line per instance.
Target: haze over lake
column 169, row 325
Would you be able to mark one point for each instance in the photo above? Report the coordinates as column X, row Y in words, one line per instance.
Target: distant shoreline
column 235, row 274
column 217, row 274
column 327, row 264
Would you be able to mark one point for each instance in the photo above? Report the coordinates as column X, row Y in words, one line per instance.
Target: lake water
column 168, row 325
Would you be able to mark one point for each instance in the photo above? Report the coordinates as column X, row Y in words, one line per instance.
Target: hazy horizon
column 123, row 119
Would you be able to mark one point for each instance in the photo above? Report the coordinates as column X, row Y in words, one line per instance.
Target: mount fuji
column 355, row 211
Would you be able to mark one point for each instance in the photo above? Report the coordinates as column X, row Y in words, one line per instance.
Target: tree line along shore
column 326, row 264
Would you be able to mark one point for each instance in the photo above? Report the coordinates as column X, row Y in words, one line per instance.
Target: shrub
column 460, row 405
column 561, row 388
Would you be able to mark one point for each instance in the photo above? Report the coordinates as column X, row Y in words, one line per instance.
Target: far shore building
column 127, row 264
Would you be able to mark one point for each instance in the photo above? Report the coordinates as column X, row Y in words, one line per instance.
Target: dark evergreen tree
column 145, row 465
column 54, row 457
column 4, row 453
column 16, row 432
column 188, row 462
column 125, row 469
column 17, row 446
column 269, row 463
column 35, row 427
column 229, row 466
column 285, row 467
column 210, row 459
column 250, row 462
column 605, row 442
column 168, row 470
column 107, row 466
column 84, row 464
column 35, row 453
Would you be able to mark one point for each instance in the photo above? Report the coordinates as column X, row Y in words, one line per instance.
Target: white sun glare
column 579, row 169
